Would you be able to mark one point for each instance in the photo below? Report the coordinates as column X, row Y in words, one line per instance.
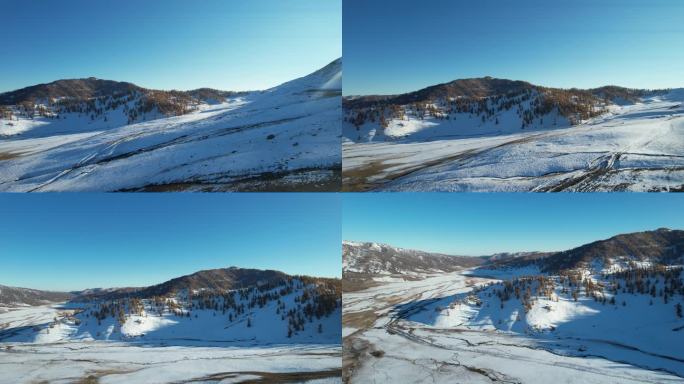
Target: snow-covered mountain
column 13, row 296
column 508, row 256
column 208, row 280
column 383, row 259
column 97, row 135
column 232, row 305
column 480, row 106
column 363, row 263
column 86, row 105
column 661, row 247
column 500, row 135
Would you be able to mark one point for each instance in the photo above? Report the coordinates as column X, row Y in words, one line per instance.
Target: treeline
column 319, row 298
column 661, row 283
column 658, row 282
column 530, row 105
column 525, row 289
column 136, row 105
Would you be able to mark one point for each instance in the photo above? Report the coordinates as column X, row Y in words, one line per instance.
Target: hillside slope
column 639, row 249
column 628, row 146
column 13, row 296
column 233, row 305
column 284, row 138
column 478, row 106
column 364, row 264
column 608, row 311
column 88, row 105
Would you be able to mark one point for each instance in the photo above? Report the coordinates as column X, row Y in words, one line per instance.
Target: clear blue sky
column 165, row 44
column 474, row 224
column 394, row 46
column 76, row 241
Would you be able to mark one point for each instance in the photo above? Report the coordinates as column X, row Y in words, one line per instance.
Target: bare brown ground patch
column 359, row 320
column 266, row 182
column 9, row 155
column 352, row 348
column 356, row 180
column 354, row 285
column 393, row 300
column 94, row 377
column 271, row 377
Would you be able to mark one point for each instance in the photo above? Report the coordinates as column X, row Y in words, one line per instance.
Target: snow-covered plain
column 60, row 344
column 118, row 362
column 414, row 331
column 635, row 147
column 284, row 138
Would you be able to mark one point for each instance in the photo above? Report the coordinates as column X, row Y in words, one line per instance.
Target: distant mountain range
column 26, row 296
column 379, row 259
column 364, row 262
column 208, row 281
column 660, row 247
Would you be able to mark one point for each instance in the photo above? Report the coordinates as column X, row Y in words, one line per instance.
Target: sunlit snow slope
column 284, row 138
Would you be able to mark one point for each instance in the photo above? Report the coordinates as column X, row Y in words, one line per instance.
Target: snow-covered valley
column 414, row 331
column 628, row 146
column 279, row 329
column 516, row 324
column 283, row 139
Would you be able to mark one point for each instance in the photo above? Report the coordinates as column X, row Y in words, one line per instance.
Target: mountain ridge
column 490, row 86
column 660, row 246
column 13, row 296
column 210, row 280
column 479, row 105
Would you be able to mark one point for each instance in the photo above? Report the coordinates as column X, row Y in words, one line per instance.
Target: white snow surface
column 292, row 127
column 265, row 326
column 118, row 362
column 61, row 344
column 430, row 330
column 637, row 147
